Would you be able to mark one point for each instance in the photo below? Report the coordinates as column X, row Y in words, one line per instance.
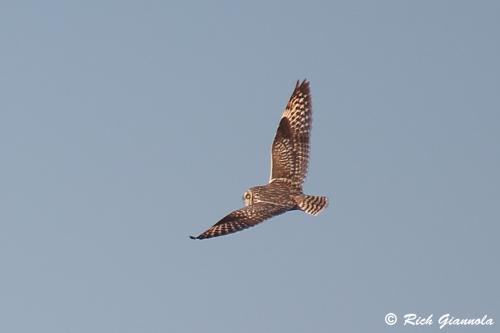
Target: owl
column 289, row 162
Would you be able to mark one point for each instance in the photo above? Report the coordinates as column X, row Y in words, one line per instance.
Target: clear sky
column 127, row 126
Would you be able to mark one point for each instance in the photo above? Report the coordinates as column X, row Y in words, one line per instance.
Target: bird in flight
column 289, row 162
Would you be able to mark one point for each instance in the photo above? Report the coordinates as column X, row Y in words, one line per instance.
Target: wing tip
column 302, row 86
column 193, row 237
column 303, row 82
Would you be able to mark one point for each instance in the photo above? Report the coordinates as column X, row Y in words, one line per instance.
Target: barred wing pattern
column 290, row 149
column 243, row 218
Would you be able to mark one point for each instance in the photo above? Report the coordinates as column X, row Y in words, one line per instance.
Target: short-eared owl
column 290, row 158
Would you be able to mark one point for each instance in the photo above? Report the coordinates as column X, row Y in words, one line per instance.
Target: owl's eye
column 247, row 195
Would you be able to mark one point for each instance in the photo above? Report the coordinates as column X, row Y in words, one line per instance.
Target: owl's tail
column 311, row 204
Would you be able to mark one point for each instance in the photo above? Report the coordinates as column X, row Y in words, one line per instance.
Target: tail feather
column 311, row 204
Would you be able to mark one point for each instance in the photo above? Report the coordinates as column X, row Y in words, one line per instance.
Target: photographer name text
column 445, row 320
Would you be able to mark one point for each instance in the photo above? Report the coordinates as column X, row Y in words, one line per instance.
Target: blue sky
column 127, row 126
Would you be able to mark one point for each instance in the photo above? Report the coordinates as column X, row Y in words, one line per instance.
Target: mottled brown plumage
column 289, row 163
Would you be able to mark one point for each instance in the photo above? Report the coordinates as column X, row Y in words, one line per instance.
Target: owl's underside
column 290, row 158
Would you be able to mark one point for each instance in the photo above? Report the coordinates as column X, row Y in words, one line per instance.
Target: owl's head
column 248, row 198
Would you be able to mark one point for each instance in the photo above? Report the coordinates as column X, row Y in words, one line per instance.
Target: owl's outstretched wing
column 290, row 149
column 243, row 218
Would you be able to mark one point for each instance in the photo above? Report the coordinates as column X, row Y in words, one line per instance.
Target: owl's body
column 278, row 192
column 290, row 159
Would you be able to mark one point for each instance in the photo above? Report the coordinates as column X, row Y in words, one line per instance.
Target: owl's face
column 248, row 198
